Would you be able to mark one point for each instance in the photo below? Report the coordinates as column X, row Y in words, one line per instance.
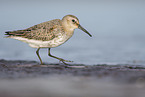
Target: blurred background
column 117, row 26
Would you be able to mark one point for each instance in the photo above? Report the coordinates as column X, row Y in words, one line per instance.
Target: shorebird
column 48, row 34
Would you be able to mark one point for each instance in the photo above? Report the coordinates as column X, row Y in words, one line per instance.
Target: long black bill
column 80, row 27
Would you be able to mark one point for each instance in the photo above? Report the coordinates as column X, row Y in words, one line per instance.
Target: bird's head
column 71, row 23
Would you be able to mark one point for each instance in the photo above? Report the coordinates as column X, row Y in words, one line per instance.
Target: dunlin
column 48, row 34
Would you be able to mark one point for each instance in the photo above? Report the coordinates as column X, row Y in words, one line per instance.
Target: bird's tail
column 14, row 33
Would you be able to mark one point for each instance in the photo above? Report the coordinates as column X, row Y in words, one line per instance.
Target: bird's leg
column 60, row 59
column 37, row 52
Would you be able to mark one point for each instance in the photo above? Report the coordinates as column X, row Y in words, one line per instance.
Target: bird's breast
column 60, row 40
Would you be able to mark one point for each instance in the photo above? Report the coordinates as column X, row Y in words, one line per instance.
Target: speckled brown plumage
column 44, row 31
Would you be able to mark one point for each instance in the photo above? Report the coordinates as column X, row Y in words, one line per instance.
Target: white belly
column 43, row 44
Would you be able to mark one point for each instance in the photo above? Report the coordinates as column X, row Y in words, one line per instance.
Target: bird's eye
column 73, row 20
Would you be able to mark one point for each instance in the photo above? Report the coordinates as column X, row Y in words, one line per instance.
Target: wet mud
column 30, row 79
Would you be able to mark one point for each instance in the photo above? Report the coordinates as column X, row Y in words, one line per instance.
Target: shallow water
column 117, row 28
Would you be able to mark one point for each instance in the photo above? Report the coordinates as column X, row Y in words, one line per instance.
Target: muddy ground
column 29, row 79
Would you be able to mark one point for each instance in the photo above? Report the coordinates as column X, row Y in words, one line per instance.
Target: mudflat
column 29, row 79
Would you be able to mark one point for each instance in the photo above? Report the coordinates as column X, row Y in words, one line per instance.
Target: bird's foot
column 64, row 61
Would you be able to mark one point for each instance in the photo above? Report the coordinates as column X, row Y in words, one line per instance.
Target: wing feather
column 44, row 31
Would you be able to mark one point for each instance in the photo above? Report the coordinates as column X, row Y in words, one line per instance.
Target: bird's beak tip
column 80, row 27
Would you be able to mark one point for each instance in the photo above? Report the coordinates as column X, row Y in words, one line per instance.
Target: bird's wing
column 44, row 31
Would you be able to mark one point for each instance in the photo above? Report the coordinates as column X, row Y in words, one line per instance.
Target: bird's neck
column 68, row 29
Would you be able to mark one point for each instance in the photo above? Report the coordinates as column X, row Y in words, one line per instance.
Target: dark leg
column 60, row 59
column 37, row 52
